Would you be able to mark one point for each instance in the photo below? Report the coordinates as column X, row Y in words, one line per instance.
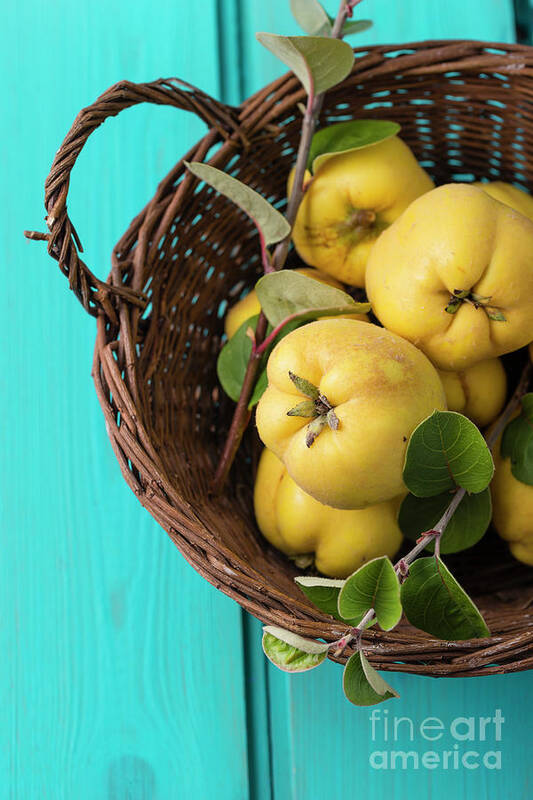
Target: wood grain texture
column 106, row 687
column 320, row 745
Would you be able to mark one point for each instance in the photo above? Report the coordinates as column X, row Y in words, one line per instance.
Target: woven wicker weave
column 465, row 109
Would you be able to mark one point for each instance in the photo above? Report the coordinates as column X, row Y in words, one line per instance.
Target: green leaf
column 517, row 442
column 285, row 293
column 445, row 451
column 347, row 136
column 434, row 602
column 466, row 527
column 363, row 686
column 261, row 382
column 318, row 62
column 352, row 25
column 311, row 17
column 272, row 226
column 356, row 26
column 308, row 314
column 314, row 19
column 323, row 593
column 233, row 360
column 374, row 585
column 290, row 652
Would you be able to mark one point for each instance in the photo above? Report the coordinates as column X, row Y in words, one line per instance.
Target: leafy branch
column 297, row 53
column 401, row 568
column 422, row 587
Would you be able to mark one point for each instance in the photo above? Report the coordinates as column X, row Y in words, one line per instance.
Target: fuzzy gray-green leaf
column 311, row 17
column 317, row 61
column 356, row 26
column 287, row 292
column 272, row 225
column 352, row 26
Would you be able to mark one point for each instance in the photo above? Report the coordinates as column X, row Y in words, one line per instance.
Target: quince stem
column 318, row 407
column 461, row 296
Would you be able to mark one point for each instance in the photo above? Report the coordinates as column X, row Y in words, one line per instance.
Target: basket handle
column 63, row 242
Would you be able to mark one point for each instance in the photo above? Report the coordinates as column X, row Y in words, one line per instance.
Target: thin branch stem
column 442, row 524
column 345, row 10
column 266, row 259
column 241, row 414
column 308, row 128
column 265, row 344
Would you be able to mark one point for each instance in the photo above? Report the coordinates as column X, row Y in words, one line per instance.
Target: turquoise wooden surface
column 106, row 690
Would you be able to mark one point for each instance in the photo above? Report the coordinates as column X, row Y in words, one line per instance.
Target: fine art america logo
column 464, row 743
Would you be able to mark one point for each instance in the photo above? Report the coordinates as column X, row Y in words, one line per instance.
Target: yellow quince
column 478, row 391
column 509, row 195
column 350, row 200
column 297, row 524
column 454, row 275
column 512, row 509
column 342, row 400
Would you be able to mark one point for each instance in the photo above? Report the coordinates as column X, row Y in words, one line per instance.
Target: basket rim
column 223, row 568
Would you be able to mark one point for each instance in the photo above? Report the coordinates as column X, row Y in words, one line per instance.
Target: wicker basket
column 465, row 109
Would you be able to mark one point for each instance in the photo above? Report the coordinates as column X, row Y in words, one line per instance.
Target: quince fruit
column 297, row 524
column 342, row 400
column 350, row 200
column 249, row 306
column 478, row 391
column 512, row 509
column 509, row 195
column 454, row 275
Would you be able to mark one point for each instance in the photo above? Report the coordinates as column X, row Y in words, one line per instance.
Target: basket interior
column 464, row 123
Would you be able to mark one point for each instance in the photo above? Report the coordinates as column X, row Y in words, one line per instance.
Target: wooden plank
column 260, row 752
column 407, row 21
column 107, row 683
column 320, row 745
